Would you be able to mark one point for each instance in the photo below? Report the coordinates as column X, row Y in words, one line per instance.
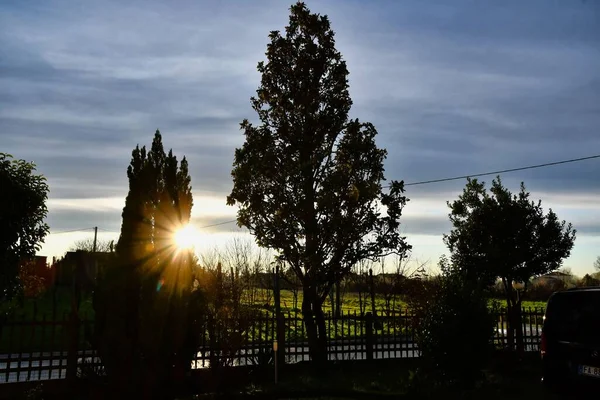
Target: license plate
column 589, row 371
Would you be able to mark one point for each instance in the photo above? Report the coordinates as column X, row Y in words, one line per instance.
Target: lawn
column 351, row 303
column 58, row 303
column 41, row 323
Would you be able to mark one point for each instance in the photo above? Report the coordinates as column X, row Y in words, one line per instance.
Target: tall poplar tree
column 308, row 178
column 143, row 302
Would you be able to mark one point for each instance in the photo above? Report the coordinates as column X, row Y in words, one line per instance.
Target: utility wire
column 71, row 230
column 464, row 177
column 572, row 160
column 217, row 224
column 501, row 171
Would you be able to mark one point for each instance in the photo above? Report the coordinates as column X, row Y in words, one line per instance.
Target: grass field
column 58, row 303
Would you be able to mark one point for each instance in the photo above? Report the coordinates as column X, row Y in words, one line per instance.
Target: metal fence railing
column 52, row 347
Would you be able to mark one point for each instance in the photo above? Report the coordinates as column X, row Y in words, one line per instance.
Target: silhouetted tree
column 102, row 246
column 308, row 179
column 22, row 213
column 145, row 304
column 597, row 264
column 588, row 280
column 499, row 234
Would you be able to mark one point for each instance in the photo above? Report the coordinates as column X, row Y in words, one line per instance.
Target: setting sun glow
column 186, row 237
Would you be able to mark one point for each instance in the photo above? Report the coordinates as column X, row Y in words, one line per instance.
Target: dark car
column 570, row 346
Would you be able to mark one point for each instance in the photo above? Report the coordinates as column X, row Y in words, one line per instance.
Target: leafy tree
column 308, row 178
column 506, row 236
column 22, row 213
column 145, row 304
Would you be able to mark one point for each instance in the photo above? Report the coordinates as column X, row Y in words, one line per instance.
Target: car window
column 574, row 317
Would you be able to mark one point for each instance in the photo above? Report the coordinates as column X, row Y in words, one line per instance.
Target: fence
column 56, row 347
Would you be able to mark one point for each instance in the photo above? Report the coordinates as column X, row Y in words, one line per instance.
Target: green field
column 58, row 303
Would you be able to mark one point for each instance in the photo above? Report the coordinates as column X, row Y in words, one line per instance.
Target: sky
column 453, row 87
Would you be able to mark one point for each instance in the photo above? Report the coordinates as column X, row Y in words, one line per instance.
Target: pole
column 95, row 239
column 372, row 287
column 94, row 253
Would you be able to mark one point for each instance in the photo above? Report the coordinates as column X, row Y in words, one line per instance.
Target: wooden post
column 372, row 290
column 369, row 326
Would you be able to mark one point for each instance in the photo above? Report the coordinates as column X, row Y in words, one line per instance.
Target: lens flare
column 186, row 237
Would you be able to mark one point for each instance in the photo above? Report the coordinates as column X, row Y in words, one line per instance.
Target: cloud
column 453, row 89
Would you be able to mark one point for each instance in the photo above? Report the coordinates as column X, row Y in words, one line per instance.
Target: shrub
column 229, row 322
column 454, row 331
column 146, row 333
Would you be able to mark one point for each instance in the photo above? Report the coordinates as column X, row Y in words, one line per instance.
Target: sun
column 186, row 237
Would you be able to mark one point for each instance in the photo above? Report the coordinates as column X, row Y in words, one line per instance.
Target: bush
column 229, row 322
column 454, row 331
column 147, row 329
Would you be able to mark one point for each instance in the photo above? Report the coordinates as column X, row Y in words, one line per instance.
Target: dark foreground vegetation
column 394, row 379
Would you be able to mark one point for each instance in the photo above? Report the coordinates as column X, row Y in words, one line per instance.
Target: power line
column 72, row 230
column 501, row 171
column 218, row 224
column 464, row 177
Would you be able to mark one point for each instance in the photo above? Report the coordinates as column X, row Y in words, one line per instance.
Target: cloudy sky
column 453, row 87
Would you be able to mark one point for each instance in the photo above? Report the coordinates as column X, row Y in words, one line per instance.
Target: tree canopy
column 506, row 236
column 22, row 214
column 501, row 235
column 308, row 178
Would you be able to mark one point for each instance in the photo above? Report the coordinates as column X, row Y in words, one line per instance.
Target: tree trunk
column 510, row 337
column 314, row 321
column 519, row 327
column 322, row 332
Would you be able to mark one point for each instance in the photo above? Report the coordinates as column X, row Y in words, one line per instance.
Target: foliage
column 308, row 179
column 32, row 284
column 588, row 280
column 506, row 236
column 454, row 322
column 229, row 320
column 22, row 213
column 597, row 264
column 146, row 306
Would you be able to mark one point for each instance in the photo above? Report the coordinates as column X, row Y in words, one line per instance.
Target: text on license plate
column 589, row 371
